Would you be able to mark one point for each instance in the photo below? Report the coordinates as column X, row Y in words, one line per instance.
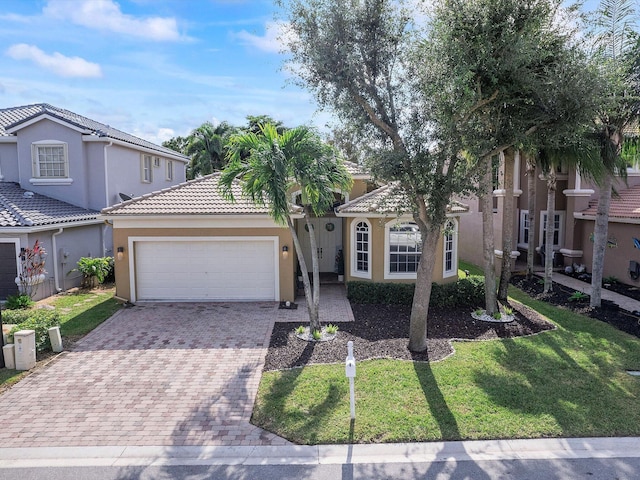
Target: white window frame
column 355, row 272
column 388, row 274
column 156, row 162
column 450, row 245
column 169, row 170
column 146, row 168
column 561, row 218
column 38, row 178
column 524, row 226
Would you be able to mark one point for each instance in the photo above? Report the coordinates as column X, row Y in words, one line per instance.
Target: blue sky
column 153, row 68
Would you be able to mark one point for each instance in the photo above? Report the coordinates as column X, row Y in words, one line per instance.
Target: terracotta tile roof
column 356, row 170
column 387, row 200
column 21, row 208
column 624, row 205
column 14, row 116
column 196, row 197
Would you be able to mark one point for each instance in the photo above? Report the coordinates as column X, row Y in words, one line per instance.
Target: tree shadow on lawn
column 566, row 395
column 275, row 402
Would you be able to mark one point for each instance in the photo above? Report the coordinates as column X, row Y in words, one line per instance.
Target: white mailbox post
column 350, row 371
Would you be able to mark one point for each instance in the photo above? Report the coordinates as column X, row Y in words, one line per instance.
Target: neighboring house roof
column 22, row 208
column 386, row 201
column 626, row 205
column 356, row 170
column 16, row 116
column 197, row 197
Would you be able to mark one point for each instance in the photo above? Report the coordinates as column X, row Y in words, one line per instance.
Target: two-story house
column 58, row 169
column 574, row 220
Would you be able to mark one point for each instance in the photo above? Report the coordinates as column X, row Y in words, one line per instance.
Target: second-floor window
column 169, row 170
column 146, row 166
column 50, row 160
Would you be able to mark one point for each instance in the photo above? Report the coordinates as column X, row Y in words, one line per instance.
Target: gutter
column 106, row 196
column 161, row 153
column 55, row 259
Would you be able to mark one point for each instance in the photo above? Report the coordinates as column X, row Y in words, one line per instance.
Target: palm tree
column 206, row 146
column 268, row 164
column 617, row 48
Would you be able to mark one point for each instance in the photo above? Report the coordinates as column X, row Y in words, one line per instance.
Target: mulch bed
column 382, row 331
column 560, row 296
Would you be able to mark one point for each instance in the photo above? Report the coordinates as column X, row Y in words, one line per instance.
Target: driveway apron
column 154, row 374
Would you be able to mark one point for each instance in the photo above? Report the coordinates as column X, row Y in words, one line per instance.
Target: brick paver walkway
column 157, row 374
column 334, row 307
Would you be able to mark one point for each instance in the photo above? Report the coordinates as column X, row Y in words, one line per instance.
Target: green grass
column 570, row 382
column 473, row 269
column 79, row 314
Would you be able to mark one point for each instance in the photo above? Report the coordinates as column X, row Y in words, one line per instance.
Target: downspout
column 55, row 259
column 106, row 197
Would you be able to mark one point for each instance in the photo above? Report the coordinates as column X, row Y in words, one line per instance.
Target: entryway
column 329, row 242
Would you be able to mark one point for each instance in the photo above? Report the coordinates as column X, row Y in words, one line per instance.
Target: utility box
column 56, row 339
column 8, row 352
column 25, row 349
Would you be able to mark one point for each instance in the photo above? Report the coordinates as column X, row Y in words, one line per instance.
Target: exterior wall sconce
column 120, row 254
column 285, row 252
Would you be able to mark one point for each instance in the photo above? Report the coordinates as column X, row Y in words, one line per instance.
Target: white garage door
column 233, row 269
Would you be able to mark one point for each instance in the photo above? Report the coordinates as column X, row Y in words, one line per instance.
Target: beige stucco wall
column 616, row 259
column 287, row 266
column 378, row 253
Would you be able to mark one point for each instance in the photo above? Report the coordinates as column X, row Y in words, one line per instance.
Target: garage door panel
column 205, row 270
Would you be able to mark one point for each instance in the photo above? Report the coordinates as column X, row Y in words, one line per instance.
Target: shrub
column 467, row 291
column 95, row 267
column 578, row 296
column 40, row 320
column 18, row 302
column 331, row 329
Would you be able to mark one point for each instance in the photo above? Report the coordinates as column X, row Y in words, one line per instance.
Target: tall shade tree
column 505, row 75
column 356, row 57
column 268, row 164
column 206, row 147
column 616, row 54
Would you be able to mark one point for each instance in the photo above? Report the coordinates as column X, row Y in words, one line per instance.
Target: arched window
column 361, row 248
column 450, row 253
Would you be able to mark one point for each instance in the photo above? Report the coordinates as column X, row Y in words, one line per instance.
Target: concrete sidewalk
column 473, row 451
column 623, row 302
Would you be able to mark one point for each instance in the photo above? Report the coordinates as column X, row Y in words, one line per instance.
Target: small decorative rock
column 484, row 317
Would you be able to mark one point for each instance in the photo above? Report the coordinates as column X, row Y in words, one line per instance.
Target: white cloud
column 106, row 15
column 276, row 38
column 56, row 62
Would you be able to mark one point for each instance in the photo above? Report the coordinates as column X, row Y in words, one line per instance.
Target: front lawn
column 569, row 382
column 79, row 313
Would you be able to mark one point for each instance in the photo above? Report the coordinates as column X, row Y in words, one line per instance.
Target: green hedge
column 466, row 292
column 40, row 320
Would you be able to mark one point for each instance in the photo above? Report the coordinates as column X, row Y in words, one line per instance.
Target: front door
column 328, row 239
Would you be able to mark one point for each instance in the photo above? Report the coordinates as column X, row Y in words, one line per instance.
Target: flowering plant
column 32, row 270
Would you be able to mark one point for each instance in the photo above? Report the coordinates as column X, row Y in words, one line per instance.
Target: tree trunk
column 488, row 244
column 314, row 321
column 422, row 295
column 548, row 239
column 315, row 325
column 507, row 225
column 600, row 234
column 531, row 206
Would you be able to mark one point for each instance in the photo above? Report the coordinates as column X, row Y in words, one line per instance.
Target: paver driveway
column 158, row 374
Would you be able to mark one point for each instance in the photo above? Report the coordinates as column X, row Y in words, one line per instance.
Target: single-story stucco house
column 188, row 243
